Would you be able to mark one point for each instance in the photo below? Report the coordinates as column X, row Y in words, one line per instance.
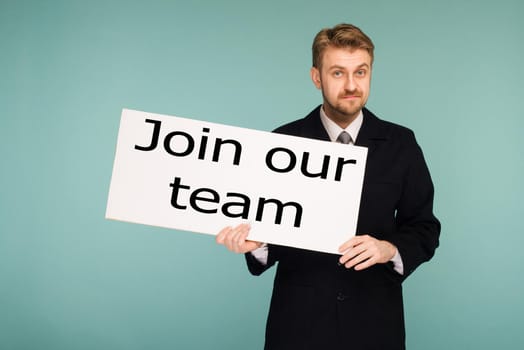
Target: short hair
column 340, row 36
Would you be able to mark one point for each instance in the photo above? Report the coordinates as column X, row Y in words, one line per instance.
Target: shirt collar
column 334, row 130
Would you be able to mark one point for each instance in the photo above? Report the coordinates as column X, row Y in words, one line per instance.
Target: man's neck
column 333, row 129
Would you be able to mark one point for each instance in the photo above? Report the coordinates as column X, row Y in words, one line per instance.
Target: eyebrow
column 362, row 65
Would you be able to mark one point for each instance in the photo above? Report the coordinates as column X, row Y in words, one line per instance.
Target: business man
column 352, row 300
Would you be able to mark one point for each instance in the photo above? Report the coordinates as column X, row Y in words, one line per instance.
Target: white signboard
column 199, row 176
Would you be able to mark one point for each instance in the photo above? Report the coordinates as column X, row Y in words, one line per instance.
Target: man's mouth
column 348, row 95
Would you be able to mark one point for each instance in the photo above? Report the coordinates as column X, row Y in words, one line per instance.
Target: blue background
column 69, row 279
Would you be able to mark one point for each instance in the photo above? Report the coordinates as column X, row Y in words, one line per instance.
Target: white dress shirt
column 333, row 131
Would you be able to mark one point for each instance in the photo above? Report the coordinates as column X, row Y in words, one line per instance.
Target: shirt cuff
column 261, row 254
column 398, row 265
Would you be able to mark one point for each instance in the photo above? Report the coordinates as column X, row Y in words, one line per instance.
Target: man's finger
column 365, row 255
column 221, row 235
column 353, row 241
column 239, row 234
column 352, row 253
column 369, row 262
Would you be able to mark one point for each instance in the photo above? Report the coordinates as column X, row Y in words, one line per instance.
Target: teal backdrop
column 70, row 279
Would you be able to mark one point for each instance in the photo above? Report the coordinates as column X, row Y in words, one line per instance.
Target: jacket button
column 341, row 297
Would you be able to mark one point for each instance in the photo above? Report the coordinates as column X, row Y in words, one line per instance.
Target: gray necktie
column 344, row 137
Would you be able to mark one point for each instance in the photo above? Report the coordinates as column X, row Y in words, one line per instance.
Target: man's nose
column 350, row 84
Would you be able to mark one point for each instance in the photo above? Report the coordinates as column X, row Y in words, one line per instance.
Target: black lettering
column 340, row 165
column 177, row 185
column 154, row 138
column 215, row 198
column 289, row 167
column 279, row 210
column 244, row 206
column 203, row 144
column 322, row 174
column 189, row 139
column 218, row 146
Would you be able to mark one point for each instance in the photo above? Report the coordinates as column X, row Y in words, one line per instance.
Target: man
column 352, row 300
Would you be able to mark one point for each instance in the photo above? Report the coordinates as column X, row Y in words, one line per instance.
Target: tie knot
column 344, row 137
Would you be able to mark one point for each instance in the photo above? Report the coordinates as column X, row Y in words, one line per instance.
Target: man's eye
column 361, row 72
column 337, row 73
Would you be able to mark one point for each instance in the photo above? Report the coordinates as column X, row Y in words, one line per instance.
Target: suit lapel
column 371, row 132
column 313, row 128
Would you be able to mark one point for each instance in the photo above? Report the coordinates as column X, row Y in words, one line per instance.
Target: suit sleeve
column 417, row 229
column 256, row 267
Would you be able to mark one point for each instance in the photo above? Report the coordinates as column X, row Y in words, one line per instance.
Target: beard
column 344, row 111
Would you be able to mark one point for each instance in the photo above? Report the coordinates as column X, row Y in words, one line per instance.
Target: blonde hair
column 340, row 36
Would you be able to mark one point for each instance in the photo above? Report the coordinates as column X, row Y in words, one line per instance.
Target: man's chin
column 342, row 112
column 349, row 112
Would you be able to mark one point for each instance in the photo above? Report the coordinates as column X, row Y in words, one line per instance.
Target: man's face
column 344, row 78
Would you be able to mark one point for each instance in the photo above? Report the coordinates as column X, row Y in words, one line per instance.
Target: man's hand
column 234, row 238
column 362, row 252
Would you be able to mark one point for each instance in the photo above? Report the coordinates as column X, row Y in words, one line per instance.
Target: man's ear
column 315, row 76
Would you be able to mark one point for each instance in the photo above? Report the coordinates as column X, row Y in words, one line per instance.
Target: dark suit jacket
column 317, row 304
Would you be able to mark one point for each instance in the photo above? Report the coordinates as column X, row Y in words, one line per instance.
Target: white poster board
column 200, row 176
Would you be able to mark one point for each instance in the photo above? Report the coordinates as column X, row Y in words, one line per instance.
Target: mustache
column 351, row 93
